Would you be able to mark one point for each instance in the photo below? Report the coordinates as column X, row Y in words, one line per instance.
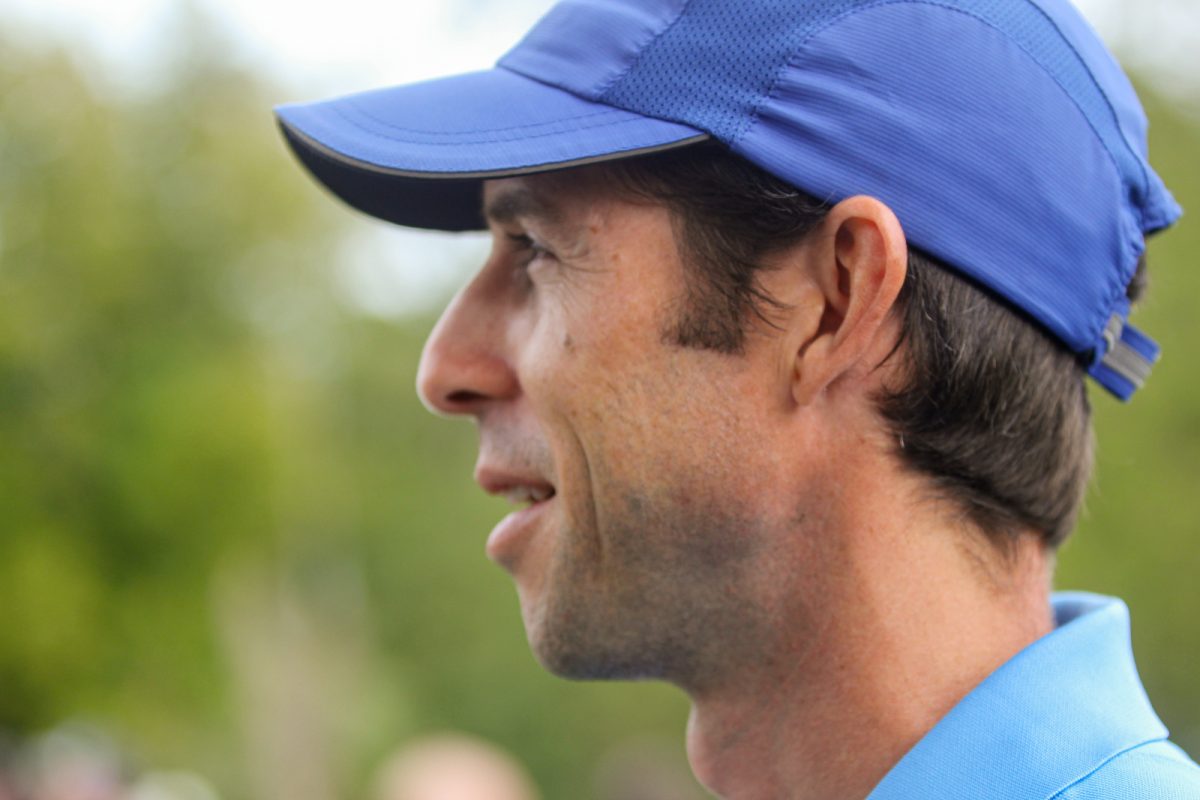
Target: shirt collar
column 1050, row 716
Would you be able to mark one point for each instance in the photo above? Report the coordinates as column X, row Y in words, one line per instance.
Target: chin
column 595, row 665
column 583, row 649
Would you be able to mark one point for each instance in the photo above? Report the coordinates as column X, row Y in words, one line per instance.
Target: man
column 780, row 352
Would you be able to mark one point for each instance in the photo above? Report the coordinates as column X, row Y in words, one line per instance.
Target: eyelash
column 526, row 243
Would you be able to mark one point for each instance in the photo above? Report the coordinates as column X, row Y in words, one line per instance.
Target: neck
column 905, row 621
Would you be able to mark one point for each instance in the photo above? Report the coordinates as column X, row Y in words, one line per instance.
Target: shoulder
column 1154, row 771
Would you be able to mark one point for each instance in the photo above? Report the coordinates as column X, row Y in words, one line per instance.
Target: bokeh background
column 237, row 558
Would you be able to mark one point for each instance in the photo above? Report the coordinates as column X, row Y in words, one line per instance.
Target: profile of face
column 646, row 496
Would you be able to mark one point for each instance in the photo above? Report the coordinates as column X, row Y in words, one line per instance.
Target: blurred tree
column 138, row 241
column 1140, row 535
column 227, row 526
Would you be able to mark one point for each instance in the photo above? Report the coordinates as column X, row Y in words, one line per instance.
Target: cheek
column 701, row 431
column 633, row 409
column 650, row 424
column 579, row 353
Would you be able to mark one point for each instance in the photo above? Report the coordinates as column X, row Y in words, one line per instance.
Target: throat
column 789, row 743
column 826, row 715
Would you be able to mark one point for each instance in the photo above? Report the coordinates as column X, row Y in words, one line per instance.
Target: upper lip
column 517, row 485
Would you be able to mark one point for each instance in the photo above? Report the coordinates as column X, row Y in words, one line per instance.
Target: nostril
column 464, row 397
column 462, row 370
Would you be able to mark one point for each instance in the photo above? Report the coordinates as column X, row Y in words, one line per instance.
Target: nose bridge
column 464, row 365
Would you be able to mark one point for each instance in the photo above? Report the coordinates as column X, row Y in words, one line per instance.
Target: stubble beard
column 660, row 594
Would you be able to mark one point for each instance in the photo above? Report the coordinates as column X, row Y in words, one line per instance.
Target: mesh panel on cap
column 689, row 73
column 690, row 70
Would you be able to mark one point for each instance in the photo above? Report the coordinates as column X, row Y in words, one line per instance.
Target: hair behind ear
column 994, row 410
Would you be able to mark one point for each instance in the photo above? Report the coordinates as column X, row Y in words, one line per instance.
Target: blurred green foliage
column 1140, row 534
column 229, row 533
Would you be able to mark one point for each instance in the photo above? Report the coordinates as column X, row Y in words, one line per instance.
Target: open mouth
column 512, row 534
column 528, row 495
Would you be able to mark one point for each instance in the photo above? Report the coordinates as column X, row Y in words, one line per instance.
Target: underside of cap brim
column 416, row 155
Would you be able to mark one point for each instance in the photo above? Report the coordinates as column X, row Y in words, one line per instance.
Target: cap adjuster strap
column 1124, row 365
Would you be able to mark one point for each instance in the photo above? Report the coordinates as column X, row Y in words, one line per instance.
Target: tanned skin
column 736, row 524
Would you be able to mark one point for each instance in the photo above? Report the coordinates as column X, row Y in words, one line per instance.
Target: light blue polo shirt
column 1066, row 718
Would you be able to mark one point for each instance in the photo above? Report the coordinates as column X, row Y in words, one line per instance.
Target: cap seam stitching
column 771, row 92
column 1099, row 317
column 608, row 86
column 342, row 112
column 381, row 135
column 1145, row 183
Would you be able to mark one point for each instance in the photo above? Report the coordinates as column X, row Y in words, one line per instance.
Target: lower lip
column 510, row 535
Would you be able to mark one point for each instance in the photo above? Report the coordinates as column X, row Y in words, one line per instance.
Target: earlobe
column 858, row 267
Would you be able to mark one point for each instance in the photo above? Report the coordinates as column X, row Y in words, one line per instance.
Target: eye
column 529, row 249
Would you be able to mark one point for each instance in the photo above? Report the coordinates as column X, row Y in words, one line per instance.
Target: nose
column 464, row 366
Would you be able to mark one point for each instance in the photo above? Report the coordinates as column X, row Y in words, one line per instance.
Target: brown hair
column 994, row 411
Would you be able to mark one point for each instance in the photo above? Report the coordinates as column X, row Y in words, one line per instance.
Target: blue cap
column 1002, row 133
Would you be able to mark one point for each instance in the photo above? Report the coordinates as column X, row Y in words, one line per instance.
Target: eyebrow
column 508, row 205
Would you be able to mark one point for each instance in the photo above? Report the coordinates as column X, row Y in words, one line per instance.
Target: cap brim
column 416, row 155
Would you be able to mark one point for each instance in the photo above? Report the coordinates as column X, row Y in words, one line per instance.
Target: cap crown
column 1002, row 132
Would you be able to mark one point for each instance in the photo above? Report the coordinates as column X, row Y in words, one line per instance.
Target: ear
column 856, row 268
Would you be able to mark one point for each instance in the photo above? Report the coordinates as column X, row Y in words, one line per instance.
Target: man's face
column 642, row 471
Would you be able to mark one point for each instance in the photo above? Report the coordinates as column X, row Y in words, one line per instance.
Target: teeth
column 517, row 496
column 528, row 494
